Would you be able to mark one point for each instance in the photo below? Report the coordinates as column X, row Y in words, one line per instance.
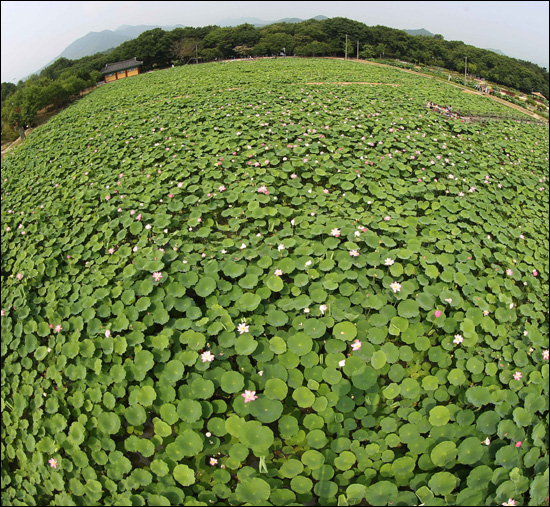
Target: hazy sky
column 34, row 33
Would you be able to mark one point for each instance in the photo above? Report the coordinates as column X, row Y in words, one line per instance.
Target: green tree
column 222, row 40
column 187, row 50
column 7, row 90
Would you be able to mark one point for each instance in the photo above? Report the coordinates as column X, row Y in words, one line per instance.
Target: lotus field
column 278, row 282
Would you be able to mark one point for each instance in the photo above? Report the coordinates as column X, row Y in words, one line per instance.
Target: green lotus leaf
column 470, row 451
column 205, row 287
column 456, row 377
column 248, row 302
column 344, row 331
column 313, row 459
column 108, row 422
column 439, row 416
column 345, row 460
column 408, row 308
column 303, row 397
column 316, row 439
column 274, row 283
column 184, row 475
column 444, row 454
column 301, row 484
column 378, row 359
column 189, row 410
column 478, row 396
column 275, row 389
column 245, row 344
column 276, row 318
column 291, row 468
column 325, row 489
column 300, row 344
column 253, row 491
column 442, row 483
column 265, row 410
column 288, row 426
column 381, row 493
column 277, row 345
column 162, row 429
column 135, row 415
column 232, row 382
column 403, row 467
column 355, row 493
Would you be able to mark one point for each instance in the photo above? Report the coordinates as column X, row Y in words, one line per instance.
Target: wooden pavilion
column 120, row 70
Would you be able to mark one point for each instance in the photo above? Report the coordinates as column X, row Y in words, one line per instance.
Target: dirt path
column 43, row 116
column 506, row 103
column 492, row 97
column 352, row 83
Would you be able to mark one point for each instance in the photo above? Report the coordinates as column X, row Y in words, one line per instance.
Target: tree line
column 65, row 79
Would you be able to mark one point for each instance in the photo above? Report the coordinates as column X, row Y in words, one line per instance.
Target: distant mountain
column 497, row 51
column 261, row 22
column 419, row 31
column 99, row 42
column 241, row 21
column 423, row 31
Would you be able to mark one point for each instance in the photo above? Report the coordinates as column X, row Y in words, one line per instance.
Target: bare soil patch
column 354, row 83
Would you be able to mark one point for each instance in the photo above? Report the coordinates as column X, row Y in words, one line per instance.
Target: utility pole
column 465, row 67
column 196, row 54
column 346, row 46
column 358, row 50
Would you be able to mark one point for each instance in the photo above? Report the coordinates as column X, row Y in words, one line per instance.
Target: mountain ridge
column 105, row 40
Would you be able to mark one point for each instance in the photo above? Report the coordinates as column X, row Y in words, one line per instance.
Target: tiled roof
column 126, row 64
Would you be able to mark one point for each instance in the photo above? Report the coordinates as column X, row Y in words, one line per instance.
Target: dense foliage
column 160, row 49
column 254, row 285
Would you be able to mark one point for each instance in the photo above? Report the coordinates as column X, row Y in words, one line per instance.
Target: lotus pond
column 246, row 284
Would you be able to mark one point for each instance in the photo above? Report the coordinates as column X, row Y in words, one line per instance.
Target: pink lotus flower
column 221, row 188
column 278, row 272
column 546, row 354
column 535, row 272
column 53, row 463
column 107, row 197
column 293, row 176
column 323, row 308
column 242, row 328
column 58, row 328
column 510, row 502
column 509, row 272
column 395, row 286
column 335, row 232
column 518, row 444
column 356, row 345
column 354, row 253
column 458, row 339
column 213, row 461
column 19, row 276
column 207, row 357
column 518, row 375
column 437, row 313
column 388, row 262
column 107, row 333
column 157, row 275
column 249, row 396
column 387, row 218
